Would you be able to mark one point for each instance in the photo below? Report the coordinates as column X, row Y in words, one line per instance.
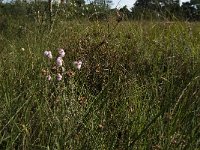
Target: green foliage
column 126, row 12
column 157, row 9
column 138, row 87
column 103, row 3
column 191, row 12
column 195, row 2
column 79, row 2
column 166, row 9
column 142, row 10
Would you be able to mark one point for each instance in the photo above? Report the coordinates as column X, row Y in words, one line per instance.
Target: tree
column 126, row 12
column 142, row 3
column 103, row 3
column 171, row 8
column 79, row 3
column 191, row 10
column 188, row 11
column 146, row 9
column 194, row 2
column 168, row 8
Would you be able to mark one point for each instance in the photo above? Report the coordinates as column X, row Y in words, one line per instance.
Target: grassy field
column 138, row 86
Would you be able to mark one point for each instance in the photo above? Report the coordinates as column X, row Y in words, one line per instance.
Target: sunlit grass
column 137, row 88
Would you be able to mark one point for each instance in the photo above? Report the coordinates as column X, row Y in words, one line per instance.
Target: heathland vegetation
column 72, row 79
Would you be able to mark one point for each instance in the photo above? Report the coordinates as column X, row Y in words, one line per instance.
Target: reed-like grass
column 138, row 87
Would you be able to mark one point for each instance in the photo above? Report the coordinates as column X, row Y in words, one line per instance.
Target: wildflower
column 61, row 52
column 59, row 61
column 78, row 64
column 23, row 49
column 48, row 54
column 59, row 77
column 49, row 77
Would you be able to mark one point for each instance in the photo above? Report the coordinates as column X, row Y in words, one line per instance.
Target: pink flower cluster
column 60, row 70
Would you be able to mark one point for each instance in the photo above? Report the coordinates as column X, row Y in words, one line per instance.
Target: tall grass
column 138, row 87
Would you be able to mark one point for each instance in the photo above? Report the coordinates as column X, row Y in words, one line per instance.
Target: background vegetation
column 138, row 87
column 142, row 9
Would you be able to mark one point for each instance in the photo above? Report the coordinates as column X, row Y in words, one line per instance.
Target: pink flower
column 59, row 61
column 59, row 77
column 61, row 52
column 49, row 77
column 77, row 64
column 48, row 54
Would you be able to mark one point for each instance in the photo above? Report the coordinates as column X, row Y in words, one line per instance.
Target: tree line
column 164, row 9
column 142, row 9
